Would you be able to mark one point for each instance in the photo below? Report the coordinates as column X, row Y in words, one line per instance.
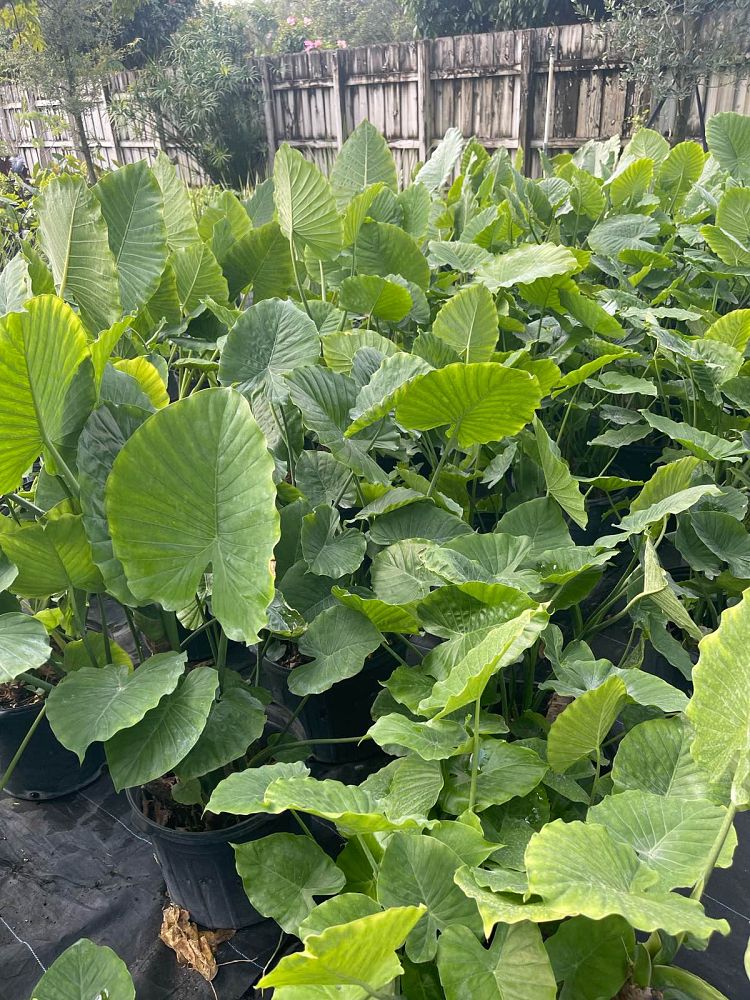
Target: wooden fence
column 33, row 136
column 493, row 86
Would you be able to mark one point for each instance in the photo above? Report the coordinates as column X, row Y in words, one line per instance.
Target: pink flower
column 307, row 21
column 341, row 43
column 308, row 44
column 291, row 20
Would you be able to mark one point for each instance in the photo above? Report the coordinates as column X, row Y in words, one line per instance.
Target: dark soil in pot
column 339, row 713
column 195, row 854
column 46, row 770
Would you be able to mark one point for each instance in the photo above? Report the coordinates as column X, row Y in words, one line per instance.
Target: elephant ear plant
column 159, row 500
column 504, row 423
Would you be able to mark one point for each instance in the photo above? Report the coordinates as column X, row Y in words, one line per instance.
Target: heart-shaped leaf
column 24, row 645
column 479, row 402
column 193, row 486
column 283, row 873
column 155, row 745
column 91, row 705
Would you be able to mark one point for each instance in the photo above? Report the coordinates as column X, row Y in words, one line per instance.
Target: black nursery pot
column 339, row 713
column 46, row 769
column 199, row 868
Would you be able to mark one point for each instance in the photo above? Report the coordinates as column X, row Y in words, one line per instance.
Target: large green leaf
column 386, row 617
column 646, row 142
column 468, row 678
column 468, row 323
column 103, row 436
column 679, row 171
column 91, row 705
column 386, row 249
column 655, row 757
column 364, row 159
column 327, row 548
column 362, row 951
column 419, row 870
column 560, row 483
column 433, row 740
column 439, row 167
column 283, row 873
column 629, row 184
column 514, row 967
column 457, row 255
column 707, row 446
column 506, row 771
column 15, row 285
column 261, row 258
column 354, row 809
column 479, row 402
column 305, row 205
column 681, row 501
column 341, row 909
column 198, row 276
column 725, row 537
column 323, row 479
column 24, row 645
column 730, row 237
column 728, row 138
column 398, row 573
column 154, row 746
column 468, row 611
column 672, row 836
column 720, row 707
column 182, row 229
column 733, row 328
column 541, row 521
column 194, row 487
column 50, row 557
column 73, row 237
column 623, row 232
column 580, row 729
column 85, row 971
column 243, row 793
column 339, row 641
column 133, row 209
column 525, row 264
column 580, row 868
column 418, row 520
column 591, row 958
column 325, row 398
column 39, row 372
column 236, row 720
column 372, row 295
column 377, row 397
column 667, row 480
column 269, row 339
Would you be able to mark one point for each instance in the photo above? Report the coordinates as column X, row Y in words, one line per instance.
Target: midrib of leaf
column 126, row 230
column 69, row 243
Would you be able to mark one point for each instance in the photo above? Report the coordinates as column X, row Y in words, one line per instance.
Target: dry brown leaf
column 193, row 947
column 557, row 705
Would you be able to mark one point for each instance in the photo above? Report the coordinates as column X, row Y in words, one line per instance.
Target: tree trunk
column 84, row 148
column 679, row 133
column 701, row 117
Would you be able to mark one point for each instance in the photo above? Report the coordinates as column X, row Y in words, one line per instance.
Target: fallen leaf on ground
column 193, row 947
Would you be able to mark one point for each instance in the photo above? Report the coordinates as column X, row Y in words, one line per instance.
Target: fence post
column 338, row 71
column 424, row 99
column 268, row 110
column 526, row 99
